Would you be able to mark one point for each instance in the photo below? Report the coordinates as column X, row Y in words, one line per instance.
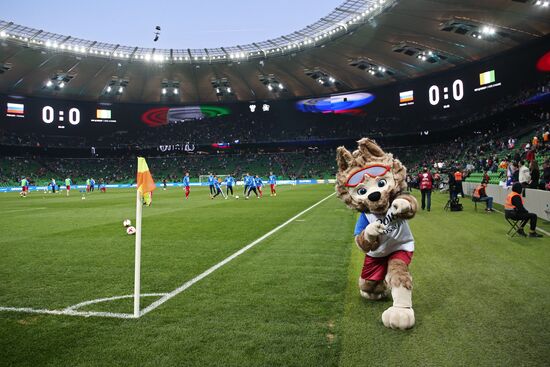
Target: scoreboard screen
column 443, row 96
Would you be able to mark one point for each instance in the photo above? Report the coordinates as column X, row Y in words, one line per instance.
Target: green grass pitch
column 480, row 297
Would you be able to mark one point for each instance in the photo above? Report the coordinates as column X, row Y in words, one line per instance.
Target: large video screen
column 456, row 92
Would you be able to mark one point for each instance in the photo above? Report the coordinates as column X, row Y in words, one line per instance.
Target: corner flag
column 145, row 186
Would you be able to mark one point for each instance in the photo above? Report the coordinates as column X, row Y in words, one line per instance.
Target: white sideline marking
column 68, row 312
column 71, row 310
column 189, row 283
column 537, row 228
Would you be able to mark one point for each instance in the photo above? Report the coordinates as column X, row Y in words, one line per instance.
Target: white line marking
column 203, row 275
column 71, row 310
column 23, row 210
column 100, row 300
column 538, row 228
column 68, row 312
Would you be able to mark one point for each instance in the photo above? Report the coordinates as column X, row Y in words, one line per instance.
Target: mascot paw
column 400, row 206
column 398, row 318
column 374, row 230
column 372, row 296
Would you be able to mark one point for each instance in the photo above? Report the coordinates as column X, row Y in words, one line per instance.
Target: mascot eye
column 362, row 191
column 381, row 183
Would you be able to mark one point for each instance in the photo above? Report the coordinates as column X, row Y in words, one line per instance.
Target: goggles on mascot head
column 373, row 170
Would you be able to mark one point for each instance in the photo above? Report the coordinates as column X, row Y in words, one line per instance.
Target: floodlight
column 49, row 83
column 61, row 85
column 163, row 91
column 120, row 89
column 109, row 89
column 176, row 91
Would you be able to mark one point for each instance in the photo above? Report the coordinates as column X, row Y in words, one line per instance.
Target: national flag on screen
column 145, row 183
column 407, row 96
column 16, row 108
column 103, row 114
column 487, row 77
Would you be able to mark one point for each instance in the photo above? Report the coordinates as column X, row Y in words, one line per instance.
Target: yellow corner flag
column 145, row 183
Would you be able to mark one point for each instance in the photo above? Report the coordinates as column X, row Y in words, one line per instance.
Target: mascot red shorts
column 375, row 268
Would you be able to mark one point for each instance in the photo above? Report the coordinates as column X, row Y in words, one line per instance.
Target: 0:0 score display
column 49, row 115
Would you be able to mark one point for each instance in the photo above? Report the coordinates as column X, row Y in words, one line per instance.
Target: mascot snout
column 374, row 196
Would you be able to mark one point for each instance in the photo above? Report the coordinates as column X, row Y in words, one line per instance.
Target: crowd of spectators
column 272, row 126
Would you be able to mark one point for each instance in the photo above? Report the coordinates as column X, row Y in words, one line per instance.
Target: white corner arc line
column 101, row 300
column 212, row 269
column 72, row 310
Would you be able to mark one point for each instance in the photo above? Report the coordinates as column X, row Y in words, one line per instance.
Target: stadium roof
column 361, row 44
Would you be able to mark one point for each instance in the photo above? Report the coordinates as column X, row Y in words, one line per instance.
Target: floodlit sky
column 184, row 23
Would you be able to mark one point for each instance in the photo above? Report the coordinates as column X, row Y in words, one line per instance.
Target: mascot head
column 368, row 179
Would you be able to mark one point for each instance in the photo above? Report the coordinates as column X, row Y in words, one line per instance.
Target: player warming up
column 259, row 184
column 217, row 188
column 186, row 186
column 68, row 185
column 211, row 184
column 251, row 187
column 229, row 182
column 246, row 181
column 24, row 187
column 272, row 183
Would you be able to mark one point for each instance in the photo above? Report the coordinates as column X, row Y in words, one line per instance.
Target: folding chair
column 475, row 201
column 514, row 226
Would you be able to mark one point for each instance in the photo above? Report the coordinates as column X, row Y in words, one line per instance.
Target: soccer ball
column 131, row 230
column 126, row 223
column 236, row 196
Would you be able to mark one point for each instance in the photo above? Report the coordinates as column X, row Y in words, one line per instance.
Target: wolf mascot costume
column 373, row 182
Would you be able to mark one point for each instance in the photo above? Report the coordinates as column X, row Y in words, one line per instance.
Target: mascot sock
column 401, row 314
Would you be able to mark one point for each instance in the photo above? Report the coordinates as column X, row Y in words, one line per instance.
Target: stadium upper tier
column 361, row 44
column 343, row 19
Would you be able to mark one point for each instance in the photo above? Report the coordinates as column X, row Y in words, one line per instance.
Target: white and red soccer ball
column 131, row 230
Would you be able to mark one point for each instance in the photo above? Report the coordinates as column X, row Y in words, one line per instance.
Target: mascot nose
column 374, row 196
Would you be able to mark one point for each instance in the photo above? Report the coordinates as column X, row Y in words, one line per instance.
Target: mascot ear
column 344, row 158
column 399, row 174
column 369, row 149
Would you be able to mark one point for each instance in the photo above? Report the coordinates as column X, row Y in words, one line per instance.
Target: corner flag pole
column 137, row 261
column 144, row 189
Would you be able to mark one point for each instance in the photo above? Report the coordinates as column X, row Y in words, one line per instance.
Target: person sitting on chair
column 515, row 210
column 480, row 194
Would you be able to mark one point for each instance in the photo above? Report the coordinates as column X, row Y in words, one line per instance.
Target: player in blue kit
column 229, row 182
column 272, row 183
column 246, row 180
column 259, row 184
column 211, row 184
column 186, row 185
column 251, row 187
column 217, row 188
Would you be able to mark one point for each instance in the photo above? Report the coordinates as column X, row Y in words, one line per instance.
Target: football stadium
column 311, row 183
